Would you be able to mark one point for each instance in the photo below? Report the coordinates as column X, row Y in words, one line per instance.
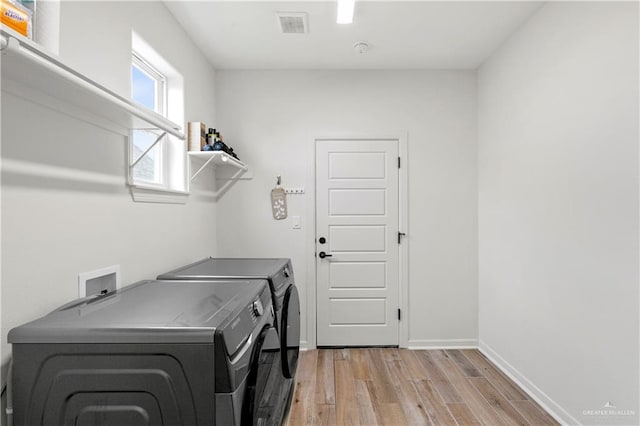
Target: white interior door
column 357, row 230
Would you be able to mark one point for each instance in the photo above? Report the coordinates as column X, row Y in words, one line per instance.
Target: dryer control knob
column 258, row 309
column 286, row 272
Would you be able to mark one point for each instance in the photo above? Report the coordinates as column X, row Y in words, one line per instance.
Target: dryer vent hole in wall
column 100, row 285
column 101, row 281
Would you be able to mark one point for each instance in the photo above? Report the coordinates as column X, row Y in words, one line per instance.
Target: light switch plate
column 297, row 222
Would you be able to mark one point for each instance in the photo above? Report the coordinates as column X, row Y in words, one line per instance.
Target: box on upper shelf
column 18, row 15
column 196, row 135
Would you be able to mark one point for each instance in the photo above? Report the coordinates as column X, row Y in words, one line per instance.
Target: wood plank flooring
column 403, row 387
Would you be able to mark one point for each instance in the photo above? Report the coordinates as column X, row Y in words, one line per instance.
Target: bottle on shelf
column 214, row 142
column 218, row 144
column 209, row 144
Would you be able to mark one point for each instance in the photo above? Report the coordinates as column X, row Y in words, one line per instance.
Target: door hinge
column 399, row 314
column 398, row 162
column 400, row 235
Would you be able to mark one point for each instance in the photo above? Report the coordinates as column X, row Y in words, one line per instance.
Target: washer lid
column 145, row 312
column 231, row 268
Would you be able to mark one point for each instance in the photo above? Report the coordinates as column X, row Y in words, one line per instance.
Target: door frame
column 403, row 219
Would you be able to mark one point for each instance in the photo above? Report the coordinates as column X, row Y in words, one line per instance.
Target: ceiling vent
column 292, row 22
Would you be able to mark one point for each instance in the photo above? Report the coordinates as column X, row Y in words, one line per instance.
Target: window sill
column 150, row 194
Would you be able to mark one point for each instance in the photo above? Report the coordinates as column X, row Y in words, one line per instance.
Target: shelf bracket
column 9, row 45
column 163, row 134
column 229, row 183
column 4, row 43
column 219, row 158
column 235, row 176
column 210, row 159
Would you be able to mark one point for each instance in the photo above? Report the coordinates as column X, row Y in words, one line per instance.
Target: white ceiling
column 401, row 34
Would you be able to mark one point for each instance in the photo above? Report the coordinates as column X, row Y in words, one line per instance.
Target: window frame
column 152, row 72
column 159, row 96
column 173, row 185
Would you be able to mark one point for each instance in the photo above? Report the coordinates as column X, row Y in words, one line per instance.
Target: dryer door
column 266, row 395
column 290, row 331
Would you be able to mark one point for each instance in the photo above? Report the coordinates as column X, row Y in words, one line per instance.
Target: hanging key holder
column 279, row 201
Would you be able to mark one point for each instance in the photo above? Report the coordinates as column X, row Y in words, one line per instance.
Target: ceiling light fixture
column 345, row 11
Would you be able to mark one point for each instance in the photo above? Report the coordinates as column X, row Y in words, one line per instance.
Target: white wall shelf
column 30, row 72
column 219, row 160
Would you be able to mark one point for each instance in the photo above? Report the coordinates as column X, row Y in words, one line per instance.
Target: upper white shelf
column 201, row 159
column 37, row 72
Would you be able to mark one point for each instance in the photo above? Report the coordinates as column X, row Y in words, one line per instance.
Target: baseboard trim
column 549, row 405
column 443, row 344
column 423, row 344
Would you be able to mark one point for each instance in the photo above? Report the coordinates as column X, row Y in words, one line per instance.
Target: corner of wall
column 550, row 406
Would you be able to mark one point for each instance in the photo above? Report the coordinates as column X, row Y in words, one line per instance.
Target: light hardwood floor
column 403, row 387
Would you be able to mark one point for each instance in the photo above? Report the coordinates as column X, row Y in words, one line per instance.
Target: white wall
column 558, row 208
column 56, row 227
column 272, row 118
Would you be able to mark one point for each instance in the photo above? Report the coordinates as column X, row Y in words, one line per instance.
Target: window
column 148, row 88
column 148, row 85
column 159, row 172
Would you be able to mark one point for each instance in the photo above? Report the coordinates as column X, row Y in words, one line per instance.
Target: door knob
column 322, row 240
column 322, row 255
